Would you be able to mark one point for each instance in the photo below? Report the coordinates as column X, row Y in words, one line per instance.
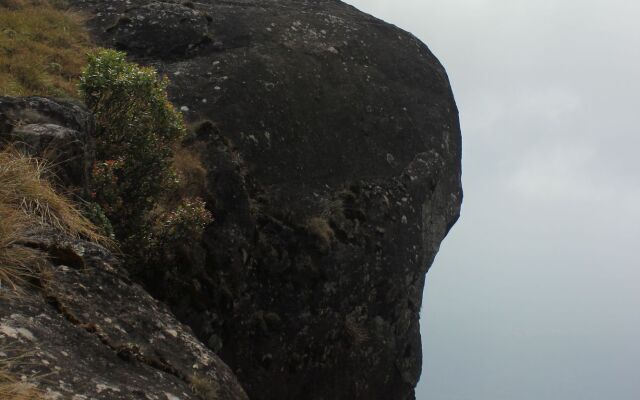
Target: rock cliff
column 85, row 331
column 332, row 148
column 80, row 328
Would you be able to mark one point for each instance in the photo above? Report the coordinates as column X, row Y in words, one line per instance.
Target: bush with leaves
column 187, row 221
column 138, row 128
column 97, row 216
column 138, row 133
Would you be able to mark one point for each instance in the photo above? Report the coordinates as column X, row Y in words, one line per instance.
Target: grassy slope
column 42, row 52
column 42, row 48
column 27, row 200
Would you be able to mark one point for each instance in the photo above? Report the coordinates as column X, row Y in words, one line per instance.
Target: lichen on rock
column 332, row 148
column 77, row 326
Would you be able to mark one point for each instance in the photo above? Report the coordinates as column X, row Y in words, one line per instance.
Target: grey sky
column 535, row 293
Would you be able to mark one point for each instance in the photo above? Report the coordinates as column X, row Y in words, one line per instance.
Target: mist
column 534, row 294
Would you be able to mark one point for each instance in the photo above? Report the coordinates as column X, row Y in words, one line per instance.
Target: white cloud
column 556, row 174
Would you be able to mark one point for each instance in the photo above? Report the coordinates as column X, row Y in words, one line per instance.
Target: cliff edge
column 332, row 154
column 332, row 147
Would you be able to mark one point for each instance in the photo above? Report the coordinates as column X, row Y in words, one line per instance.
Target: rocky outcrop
column 57, row 130
column 80, row 328
column 332, row 146
column 83, row 330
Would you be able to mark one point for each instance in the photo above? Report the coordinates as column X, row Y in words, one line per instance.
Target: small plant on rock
column 139, row 132
column 187, row 221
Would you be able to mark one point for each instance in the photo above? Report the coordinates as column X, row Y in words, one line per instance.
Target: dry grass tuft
column 192, row 175
column 17, row 263
column 23, row 186
column 204, row 387
column 28, row 200
column 357, row 332
column 13, row 388
column 17, row 390
column 42, row 47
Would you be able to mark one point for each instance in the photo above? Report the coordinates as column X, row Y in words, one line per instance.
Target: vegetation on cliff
column 12, row 388
column 134, row 179
column 136, row 192
column 28, row 201
column 138, row 197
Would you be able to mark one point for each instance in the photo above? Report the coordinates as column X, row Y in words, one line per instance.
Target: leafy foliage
column 187, row 221
column 139, row 131
column 97, row 216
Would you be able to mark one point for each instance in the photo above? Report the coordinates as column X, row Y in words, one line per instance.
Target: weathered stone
column 333, row 152
column 92, row 332
column 161, row 29
column 56, row 130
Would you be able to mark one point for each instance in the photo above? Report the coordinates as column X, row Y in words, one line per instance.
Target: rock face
column 83, row 329
column 86, row 331
column 332, row 145
column 57, row 130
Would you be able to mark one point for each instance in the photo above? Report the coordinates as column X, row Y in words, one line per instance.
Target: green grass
column 43, row 48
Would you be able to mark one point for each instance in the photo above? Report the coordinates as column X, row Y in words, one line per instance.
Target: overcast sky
column 535, row 293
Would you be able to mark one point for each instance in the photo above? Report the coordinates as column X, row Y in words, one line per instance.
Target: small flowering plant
column 187, row 221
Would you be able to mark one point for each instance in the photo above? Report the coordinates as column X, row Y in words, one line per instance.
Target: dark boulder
column 83, row 330
column 80, row 328
column 60, row 131
column 333, row 148
column 161, row 29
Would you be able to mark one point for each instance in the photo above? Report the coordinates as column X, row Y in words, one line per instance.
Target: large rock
column 85, row 331
column 57, row 130
column 81, row 329
column 333, row 148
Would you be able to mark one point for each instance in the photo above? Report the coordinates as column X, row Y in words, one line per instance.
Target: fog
column 534, row 294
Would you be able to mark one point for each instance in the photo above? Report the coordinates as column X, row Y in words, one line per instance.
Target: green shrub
column 97, row 216
column 138, row 132
column 138, row 128
column 187, row 221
